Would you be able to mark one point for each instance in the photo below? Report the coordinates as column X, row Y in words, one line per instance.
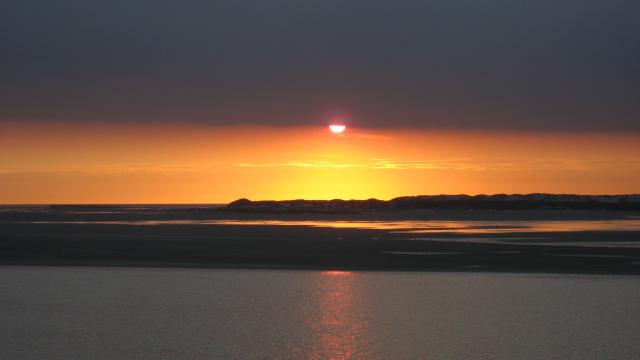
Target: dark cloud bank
column 515, row 64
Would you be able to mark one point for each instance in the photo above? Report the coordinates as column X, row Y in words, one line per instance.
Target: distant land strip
column 464, row 202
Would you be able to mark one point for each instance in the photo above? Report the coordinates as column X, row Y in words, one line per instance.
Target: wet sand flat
column 484, row 241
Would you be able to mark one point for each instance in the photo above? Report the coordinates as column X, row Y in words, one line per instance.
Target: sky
column 207, row 101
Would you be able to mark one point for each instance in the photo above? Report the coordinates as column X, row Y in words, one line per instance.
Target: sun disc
column 337, row 129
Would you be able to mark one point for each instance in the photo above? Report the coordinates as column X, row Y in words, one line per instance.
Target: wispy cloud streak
column 460, row 164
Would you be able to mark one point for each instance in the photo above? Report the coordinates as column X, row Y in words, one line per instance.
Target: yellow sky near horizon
column 137, row 163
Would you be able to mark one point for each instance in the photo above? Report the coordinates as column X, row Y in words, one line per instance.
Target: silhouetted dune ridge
column 469, row 202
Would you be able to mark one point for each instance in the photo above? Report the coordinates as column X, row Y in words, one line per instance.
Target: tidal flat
column 540, row 241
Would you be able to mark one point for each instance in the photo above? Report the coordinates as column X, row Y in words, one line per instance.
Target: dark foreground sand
column 50, row 242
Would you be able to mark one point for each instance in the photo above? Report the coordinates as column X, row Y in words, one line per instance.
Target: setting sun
column 337, row 129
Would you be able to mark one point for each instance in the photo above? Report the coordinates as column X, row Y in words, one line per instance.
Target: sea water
column 126, row 313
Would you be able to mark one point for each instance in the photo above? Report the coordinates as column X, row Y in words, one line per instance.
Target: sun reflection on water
column 337, row 325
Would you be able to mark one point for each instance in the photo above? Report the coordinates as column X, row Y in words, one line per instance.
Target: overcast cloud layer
column 509, row 64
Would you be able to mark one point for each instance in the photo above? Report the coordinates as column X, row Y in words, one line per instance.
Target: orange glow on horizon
column 136, row 163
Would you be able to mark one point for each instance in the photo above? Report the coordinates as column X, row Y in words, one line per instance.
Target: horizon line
column 299, row 199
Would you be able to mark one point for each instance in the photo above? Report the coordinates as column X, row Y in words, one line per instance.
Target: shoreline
column 277, row 267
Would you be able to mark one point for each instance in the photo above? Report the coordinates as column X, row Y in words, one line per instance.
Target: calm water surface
column 93, row 313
